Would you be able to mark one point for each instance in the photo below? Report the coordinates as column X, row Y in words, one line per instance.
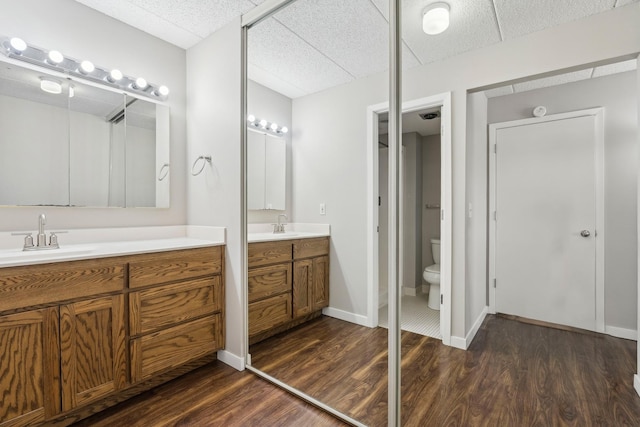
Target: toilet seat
column 434, row 268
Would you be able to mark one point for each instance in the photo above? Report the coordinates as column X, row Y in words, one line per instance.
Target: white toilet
column 432, row 276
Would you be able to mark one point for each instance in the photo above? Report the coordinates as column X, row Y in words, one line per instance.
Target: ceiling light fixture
column 16, row 48
column 50, row 86
column 435, row 18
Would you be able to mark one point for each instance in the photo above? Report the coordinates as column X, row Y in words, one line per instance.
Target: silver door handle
column 585, row 233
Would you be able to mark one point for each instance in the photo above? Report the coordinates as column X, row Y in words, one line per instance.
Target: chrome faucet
column 41, row 238
column 279, row 227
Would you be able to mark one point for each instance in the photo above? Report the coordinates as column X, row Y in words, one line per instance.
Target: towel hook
column 205, row 160
column 165, row 168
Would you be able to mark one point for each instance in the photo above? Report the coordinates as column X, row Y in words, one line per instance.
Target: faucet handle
column 28, row 239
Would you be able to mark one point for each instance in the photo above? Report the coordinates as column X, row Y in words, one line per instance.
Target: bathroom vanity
column 288, row 283
column 80, row 335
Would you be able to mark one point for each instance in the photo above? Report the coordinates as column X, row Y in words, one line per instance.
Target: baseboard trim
column 236, row 362
column 464, row 343
column 627, row 334
column 636, row 383
column 347, row 316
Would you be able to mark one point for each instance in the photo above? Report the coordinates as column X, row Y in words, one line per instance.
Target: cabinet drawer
column 307, row 248
column 163, row 267
column 163, row 306
column 269, row 281
column 264, row 253
column 49, row 283
column 268, row 313
column 170, row 348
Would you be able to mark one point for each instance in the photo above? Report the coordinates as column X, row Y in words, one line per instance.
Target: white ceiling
column 312, row 45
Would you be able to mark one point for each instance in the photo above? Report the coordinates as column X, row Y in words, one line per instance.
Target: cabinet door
column 320, row 282
column 92, row 341
column 29, row 367
column 302, row 289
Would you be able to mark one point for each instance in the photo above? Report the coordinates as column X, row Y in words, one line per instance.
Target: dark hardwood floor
column 514, row 374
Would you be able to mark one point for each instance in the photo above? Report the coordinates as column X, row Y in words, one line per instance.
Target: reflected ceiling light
column 87, row 67
column 263, row 123
column 284, row 129
column 266, row 126
column 17, row 45
column 435, row 18
column 274, row 127
column 251, row 118
column 140, row 84
column 54, row 57
column 114, row 75
column 50, row 86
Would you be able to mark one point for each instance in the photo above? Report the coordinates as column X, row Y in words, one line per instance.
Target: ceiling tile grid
column 277, row 50
column 352, row 33
column 520, row 17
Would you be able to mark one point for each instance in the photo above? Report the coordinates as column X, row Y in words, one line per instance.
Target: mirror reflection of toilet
column 432, row 276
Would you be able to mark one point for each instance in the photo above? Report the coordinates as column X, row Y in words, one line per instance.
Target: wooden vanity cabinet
column 288, row 284
column 75, row 346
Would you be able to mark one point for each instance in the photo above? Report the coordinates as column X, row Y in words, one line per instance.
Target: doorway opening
column 425, row 217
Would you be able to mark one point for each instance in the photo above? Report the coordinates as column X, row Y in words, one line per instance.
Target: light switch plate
column 323, row 209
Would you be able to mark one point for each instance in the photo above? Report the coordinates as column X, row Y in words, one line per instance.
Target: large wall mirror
column 68, row 143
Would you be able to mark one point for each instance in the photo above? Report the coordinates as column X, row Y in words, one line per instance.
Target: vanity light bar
column 266, row 126
column 17, row 48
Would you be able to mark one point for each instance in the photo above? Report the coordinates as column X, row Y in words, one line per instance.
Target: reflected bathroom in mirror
column 67, row 142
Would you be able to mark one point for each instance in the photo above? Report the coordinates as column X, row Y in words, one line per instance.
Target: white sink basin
column 261, row 237
column 20, row 255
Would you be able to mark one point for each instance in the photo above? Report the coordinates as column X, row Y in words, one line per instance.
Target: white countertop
column 100, row 243
column 264, row 232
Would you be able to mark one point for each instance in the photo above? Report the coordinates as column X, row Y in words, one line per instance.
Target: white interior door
column 546, row 214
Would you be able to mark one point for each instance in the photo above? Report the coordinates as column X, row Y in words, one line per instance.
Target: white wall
column 431, row 189
column 82, row 32
column 617, row 94
column 476, row 297
column 334, row 169
column 214, row 128
column 265, row 103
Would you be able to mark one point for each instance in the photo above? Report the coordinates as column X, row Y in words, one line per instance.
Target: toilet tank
column 435, row 250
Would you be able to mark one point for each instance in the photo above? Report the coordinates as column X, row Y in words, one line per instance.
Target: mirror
column 331, row 351
column 69, row 143
column 266, row 169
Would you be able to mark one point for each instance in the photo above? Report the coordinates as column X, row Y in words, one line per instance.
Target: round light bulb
column 163, row 91
column 435, row 18
column 251, row 118
column 87, row 67
column 55, row 57
column 274, row 127
column 284, row 129
column 115, row 75
column 140, row 83
column 17, row 45
column 263, row 123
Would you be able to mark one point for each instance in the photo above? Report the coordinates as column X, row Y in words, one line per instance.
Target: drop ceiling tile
column 353, row 34
column 472, row 25
column 274, row 82
column 277, row 50
column 520, row 17
column 618, row 67
column 553, row 80
column 143, row 20
column 499, row 91
column 201, row 17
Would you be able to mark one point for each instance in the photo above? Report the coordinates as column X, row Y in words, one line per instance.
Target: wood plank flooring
column 514, row 374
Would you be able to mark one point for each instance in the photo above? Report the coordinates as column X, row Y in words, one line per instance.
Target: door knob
column 585, row 233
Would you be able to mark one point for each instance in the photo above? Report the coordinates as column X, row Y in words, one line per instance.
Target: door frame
column 442, row 100
column 598, row 113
